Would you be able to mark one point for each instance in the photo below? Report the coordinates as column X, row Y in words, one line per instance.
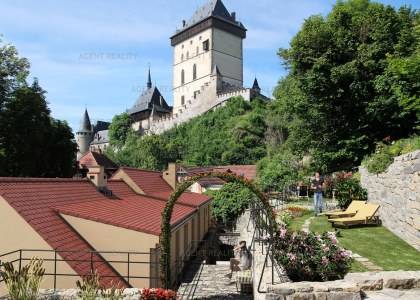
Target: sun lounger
column 349, row 212
column 365, row 215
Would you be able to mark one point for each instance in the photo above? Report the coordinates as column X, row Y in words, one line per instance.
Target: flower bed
column 311, row 257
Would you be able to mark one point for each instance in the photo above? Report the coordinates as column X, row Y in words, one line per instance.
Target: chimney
column 233, row 14
column 183, row 23
column 170, row 175
column 98, row 177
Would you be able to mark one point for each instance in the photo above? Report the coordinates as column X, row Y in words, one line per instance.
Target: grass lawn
column 297, row 223
column 378, row 244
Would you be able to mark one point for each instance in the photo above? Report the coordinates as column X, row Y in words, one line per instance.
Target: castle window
column 196, row 53
column 206, row 45
column 182, row 77
column 182, row 57
column 182, row 46
column 199, row 38
column 182, row 100
column 194, row 72
column 188, row 54
column 191, row 42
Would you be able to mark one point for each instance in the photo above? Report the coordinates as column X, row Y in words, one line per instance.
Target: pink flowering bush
column 311, row 257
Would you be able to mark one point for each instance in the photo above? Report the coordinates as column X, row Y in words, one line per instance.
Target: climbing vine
column 167, row 214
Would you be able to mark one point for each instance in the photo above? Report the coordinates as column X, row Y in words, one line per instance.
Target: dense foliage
column 233, row 134
column 229, row 201
column 120, row 129
column 32, row 143
column 311, row 256
column 348, row 188
column 353, row 80
column 387, row 150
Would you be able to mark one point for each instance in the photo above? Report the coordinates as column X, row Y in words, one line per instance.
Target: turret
column 84, row 135
column 217, row 79
column 256, row 87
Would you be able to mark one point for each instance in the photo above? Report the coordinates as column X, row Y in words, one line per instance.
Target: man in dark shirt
column 317, row 185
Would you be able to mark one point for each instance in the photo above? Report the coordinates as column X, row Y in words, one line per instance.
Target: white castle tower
column 211, row 37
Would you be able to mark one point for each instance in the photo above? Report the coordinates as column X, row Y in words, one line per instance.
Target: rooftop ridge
column 34, row 179
column 143, row 170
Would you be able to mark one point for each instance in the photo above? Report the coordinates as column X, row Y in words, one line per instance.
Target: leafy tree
column 336, row 96
column 32, row 143
column 229, row 201
column 119, row 129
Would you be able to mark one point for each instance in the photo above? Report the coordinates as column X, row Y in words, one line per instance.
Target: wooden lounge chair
column 350, row 211
column 365, row 215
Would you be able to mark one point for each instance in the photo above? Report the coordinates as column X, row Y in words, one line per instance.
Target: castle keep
column 207, row 72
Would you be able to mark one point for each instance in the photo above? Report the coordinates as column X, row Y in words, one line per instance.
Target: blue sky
column 96, row 53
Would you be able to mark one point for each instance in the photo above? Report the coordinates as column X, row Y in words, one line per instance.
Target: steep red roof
column 150, row 182
column 33, row 199
column 96, row 159
column 137, row 212
column 120, row 189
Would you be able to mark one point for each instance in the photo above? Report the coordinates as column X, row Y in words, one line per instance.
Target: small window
column 182, row 77
column 182, row 46
column 191, row 42
column 182, row 57
column 196, row 51
column 92, row 177
column 194, row 72
column 206, row 45
column 199, row 38
column 188, row 54
column 182, row 100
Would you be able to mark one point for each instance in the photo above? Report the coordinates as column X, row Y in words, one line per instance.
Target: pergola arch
column 166, row 235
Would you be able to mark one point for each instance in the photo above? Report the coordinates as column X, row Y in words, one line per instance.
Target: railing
column 93, row 258
column 263, row 236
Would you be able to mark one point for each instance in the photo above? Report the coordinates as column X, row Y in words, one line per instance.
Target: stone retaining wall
column 397, row 191
column 354, row 286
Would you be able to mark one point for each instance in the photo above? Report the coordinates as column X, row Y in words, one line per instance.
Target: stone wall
column 397, row 191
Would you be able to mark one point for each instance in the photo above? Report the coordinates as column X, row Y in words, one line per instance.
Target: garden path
column 208, row 282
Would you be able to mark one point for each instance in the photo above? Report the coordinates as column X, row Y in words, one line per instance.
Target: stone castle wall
column 397, row 191
column 205, row 101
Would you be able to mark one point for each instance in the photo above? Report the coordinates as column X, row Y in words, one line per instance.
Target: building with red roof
column 92, row 158
column 74, row 218
column 211, row 183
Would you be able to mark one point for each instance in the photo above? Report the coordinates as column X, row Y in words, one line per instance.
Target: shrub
column 157, row 294
column 229, row 202
column 23, row 284
column 387, row 150
column 347, row 189
column 311, row 257
column 90, row 286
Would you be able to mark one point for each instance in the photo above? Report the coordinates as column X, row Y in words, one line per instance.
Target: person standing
column 317, row 185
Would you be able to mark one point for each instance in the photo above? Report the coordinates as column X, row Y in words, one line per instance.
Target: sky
column 96, row 54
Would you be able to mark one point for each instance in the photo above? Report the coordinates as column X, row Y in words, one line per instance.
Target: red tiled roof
column 150, row 182
column 137, row 212
column 120, row 189
column 187, row 198
column 33, row 199
column 96, row 159
column 248, row 171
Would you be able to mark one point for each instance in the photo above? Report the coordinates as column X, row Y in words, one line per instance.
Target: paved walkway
column 208, row 282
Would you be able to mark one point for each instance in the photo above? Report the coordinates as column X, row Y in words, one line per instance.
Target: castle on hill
column 207, row 72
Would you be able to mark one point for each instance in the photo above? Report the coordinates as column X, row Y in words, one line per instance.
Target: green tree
column 119, row 129
column 229, row 201
column 32, row 143
column 333, row 96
